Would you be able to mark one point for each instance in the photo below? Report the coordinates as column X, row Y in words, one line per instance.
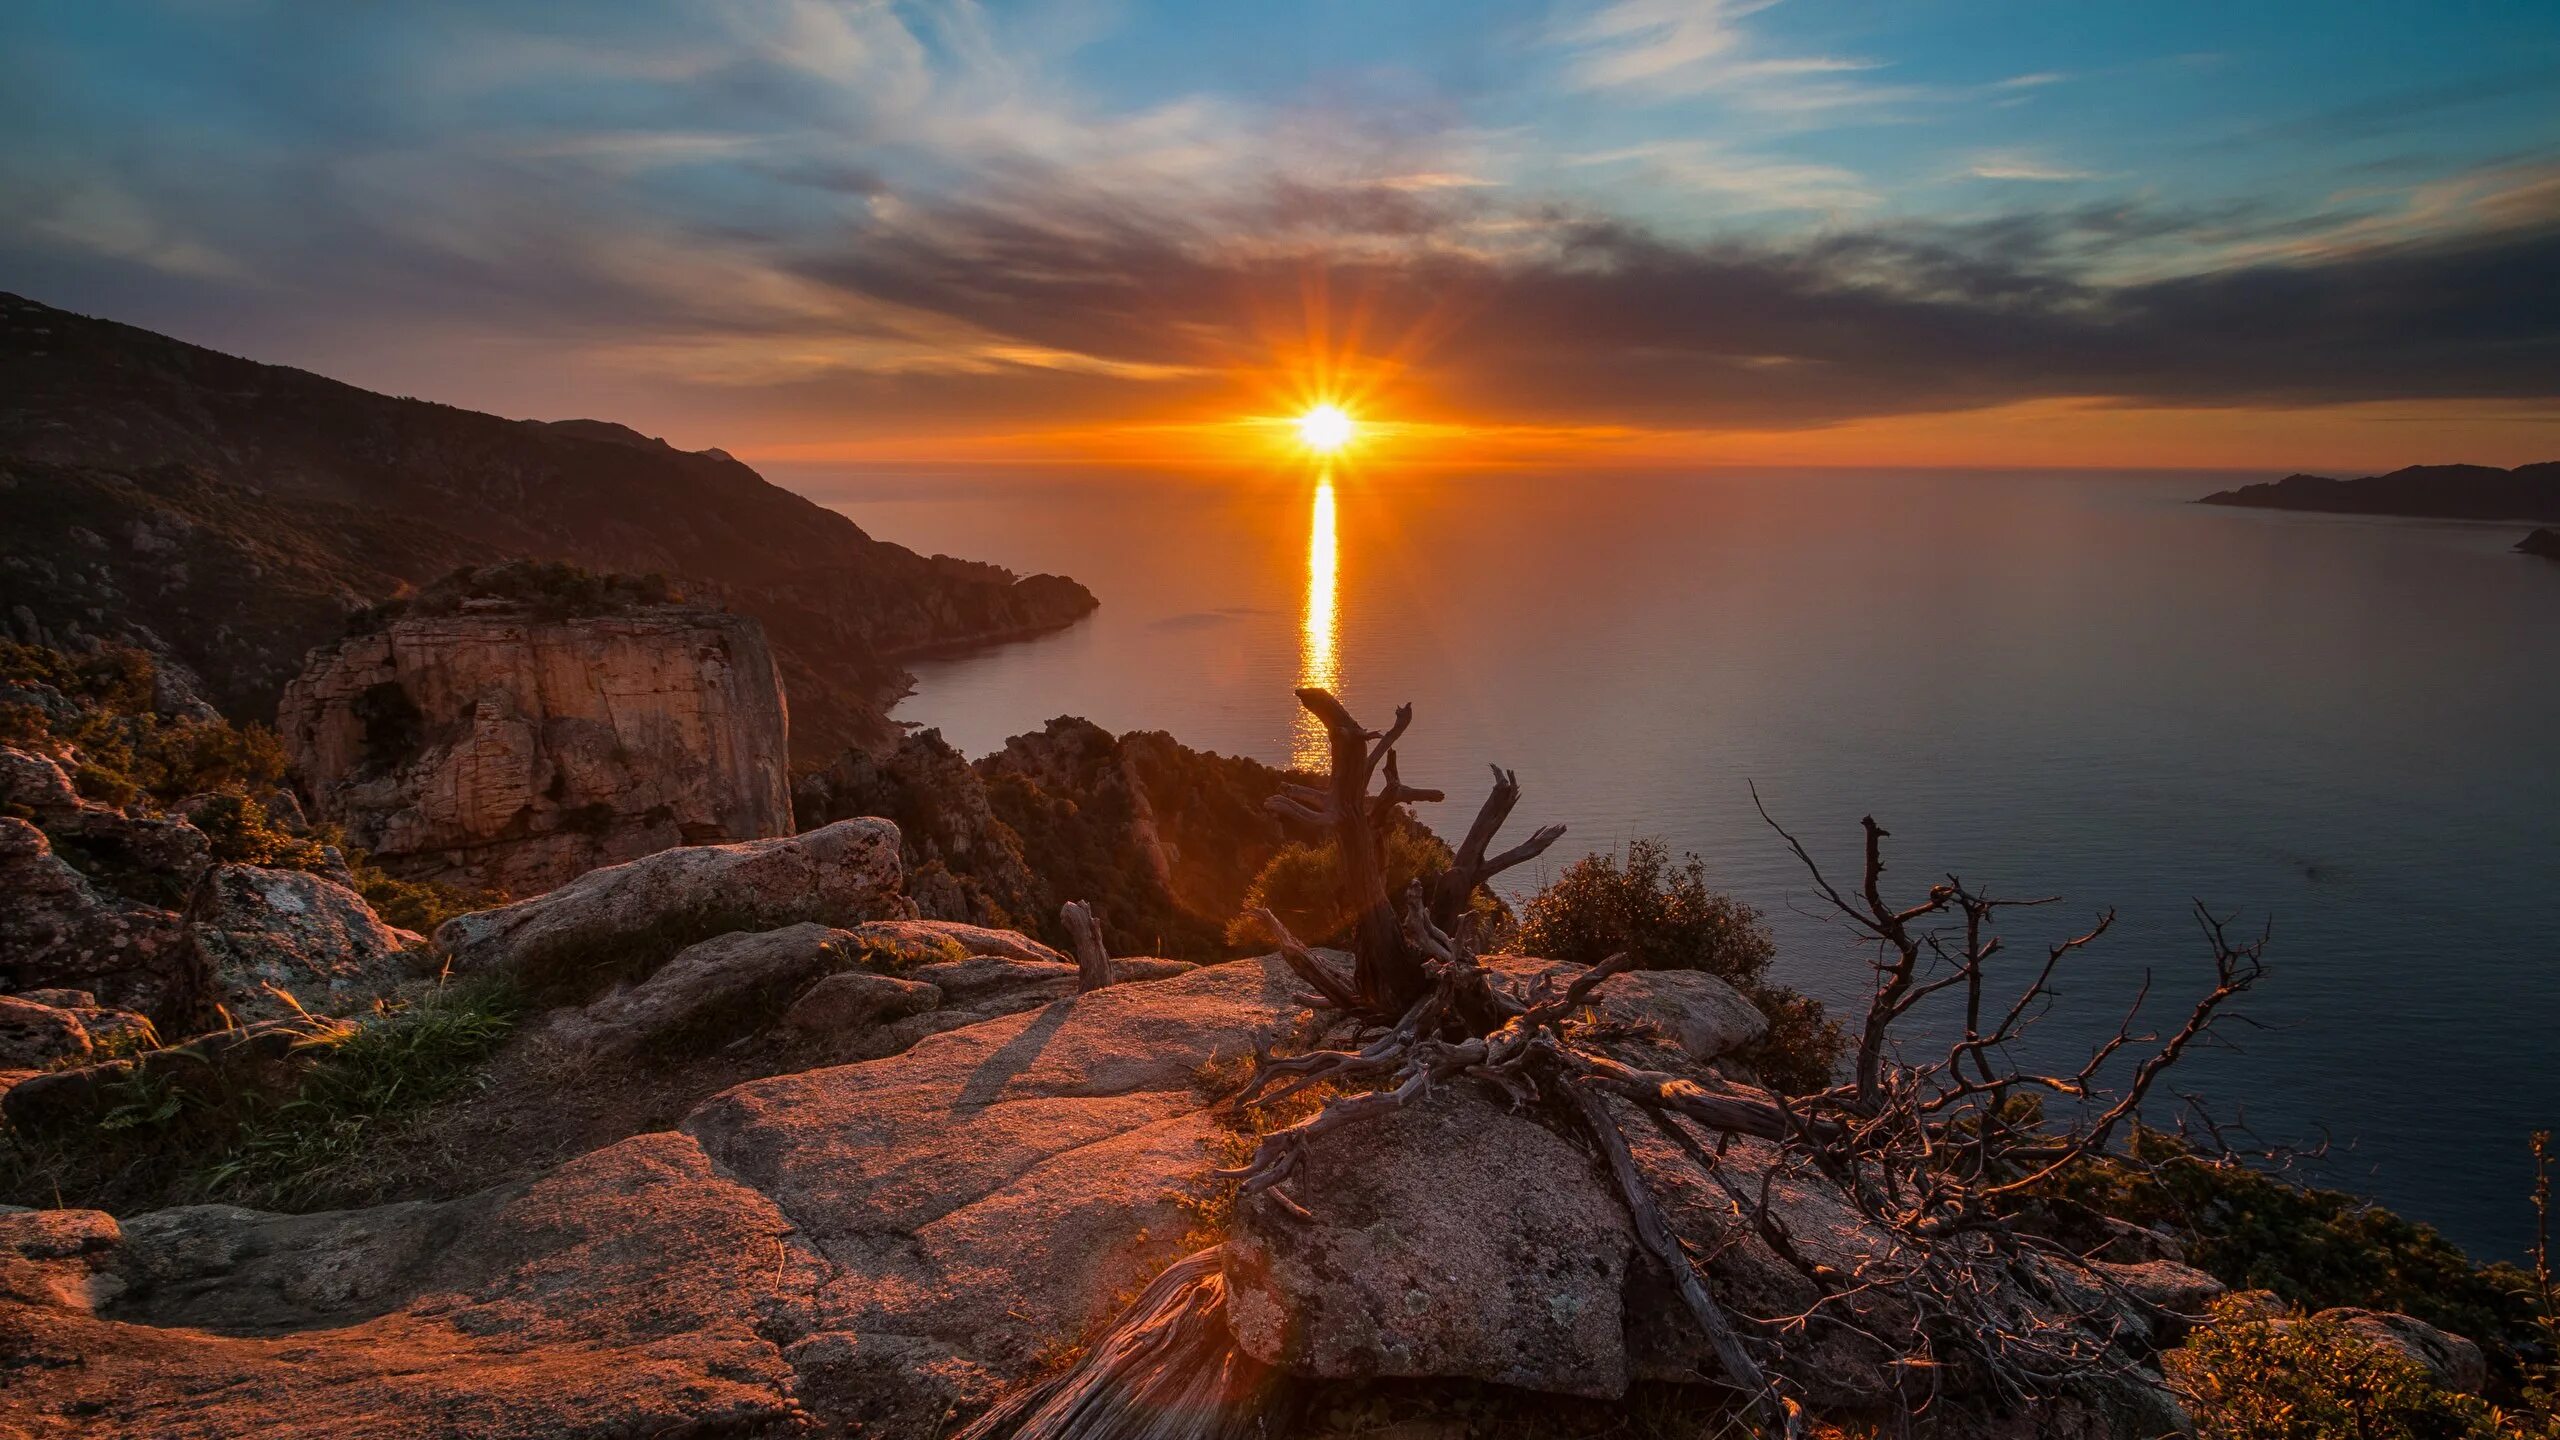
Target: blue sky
column 801, row 223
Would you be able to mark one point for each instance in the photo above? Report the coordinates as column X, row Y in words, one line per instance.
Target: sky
column 2249, row 233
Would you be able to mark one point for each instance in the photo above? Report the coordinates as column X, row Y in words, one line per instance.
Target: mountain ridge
column 133, row 461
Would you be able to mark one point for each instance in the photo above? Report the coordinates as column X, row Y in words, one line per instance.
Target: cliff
column 2435, row 492
column 227, row 515
column 487, row 743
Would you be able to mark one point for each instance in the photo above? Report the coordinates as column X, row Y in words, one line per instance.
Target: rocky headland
column 227, row 516
column 2436, row 492
column 809, row 1134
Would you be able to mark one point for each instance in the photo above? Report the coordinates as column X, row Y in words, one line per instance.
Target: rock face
column 508, row 752
column 261, row 931
column 631, row 1292
column 1449, row 1238
column 872, row 1245
column 841, row 874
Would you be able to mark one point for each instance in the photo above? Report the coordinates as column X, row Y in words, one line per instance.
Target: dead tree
column 1093, row 963
column 1936, row 1156
column 1388, row 975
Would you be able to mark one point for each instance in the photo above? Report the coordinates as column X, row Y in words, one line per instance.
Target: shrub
column 241, row 832
column 2254, row 1378
column 1302, row 884
column 125, row 750
column 419, row 905
column 2313, row 1248
column 1665, row 916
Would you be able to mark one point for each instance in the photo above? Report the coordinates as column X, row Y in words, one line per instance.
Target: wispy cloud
column 1694, row 47
column 2021, row 165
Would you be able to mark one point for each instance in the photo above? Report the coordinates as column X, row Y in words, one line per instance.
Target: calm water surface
column 2047, row 684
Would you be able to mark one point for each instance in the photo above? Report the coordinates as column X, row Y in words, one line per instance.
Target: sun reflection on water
column 1318, row 629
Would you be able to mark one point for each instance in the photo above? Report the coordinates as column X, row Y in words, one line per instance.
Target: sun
column 1325, row 429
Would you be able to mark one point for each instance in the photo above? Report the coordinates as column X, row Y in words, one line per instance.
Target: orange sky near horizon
column 2363, row 438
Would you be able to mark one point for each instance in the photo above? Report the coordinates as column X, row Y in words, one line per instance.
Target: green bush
column 125, row 750
column 2245, row 1377
column 1666, row 917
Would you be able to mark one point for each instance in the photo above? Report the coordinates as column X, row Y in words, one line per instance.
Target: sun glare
column 1325, row 429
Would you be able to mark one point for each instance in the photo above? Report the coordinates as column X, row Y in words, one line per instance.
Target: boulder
column 263, row 931
column 854, row 1000
column 1448, row 1238
column 723, row 975
column 635, row 914
column 58, row 1259
column 2169, row 1296
column 1709, row 1018
column 510, row 751
column 2455, row 1361
column 1706, row 1017
column 38, row 1037
column 58, row 930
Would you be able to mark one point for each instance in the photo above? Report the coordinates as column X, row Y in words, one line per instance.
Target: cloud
column 779, row 221
column 2019, row 165
column 1663, row 48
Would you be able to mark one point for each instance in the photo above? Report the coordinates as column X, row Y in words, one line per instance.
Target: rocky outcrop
column 2544, row 541
column 58, row 930
column 634, row 916
column 504, row 751
column 881, row 1244
column 266, row 934
column 962, row 862
column 1159, row 839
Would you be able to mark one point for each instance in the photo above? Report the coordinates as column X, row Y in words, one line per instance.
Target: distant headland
column 2435, row 492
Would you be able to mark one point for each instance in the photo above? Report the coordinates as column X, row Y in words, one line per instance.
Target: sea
column 2343, row 732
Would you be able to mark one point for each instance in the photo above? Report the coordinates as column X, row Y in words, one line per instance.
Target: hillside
column 228, row 514
column 2435, row 492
